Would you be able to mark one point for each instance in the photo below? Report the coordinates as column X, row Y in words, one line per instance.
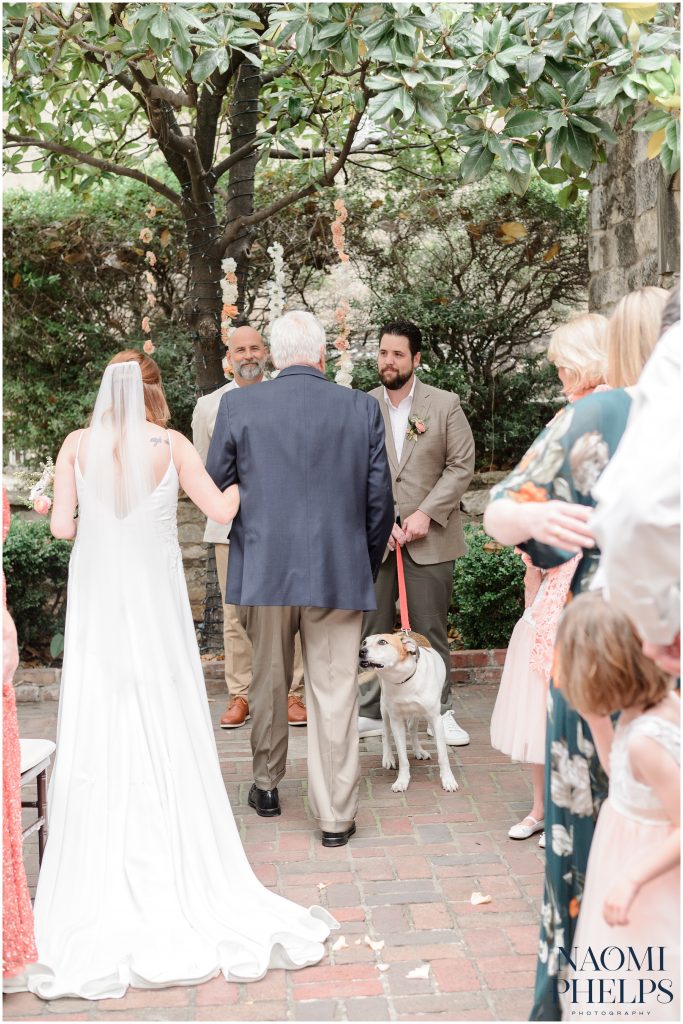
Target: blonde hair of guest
column 580, row 348
column 599, row 661
column 632, row 333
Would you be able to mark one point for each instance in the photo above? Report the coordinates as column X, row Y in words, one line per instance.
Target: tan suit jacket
column 434, row 471
column 203, row 422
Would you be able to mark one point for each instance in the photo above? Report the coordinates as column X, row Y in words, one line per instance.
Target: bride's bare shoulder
column 70, row 443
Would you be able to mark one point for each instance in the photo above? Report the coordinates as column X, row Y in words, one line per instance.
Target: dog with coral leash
column 412, row 675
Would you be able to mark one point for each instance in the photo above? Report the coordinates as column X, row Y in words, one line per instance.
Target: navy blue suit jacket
column 316, row 505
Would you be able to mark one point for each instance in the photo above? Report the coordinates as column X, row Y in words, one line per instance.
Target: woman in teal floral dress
column 543, row 507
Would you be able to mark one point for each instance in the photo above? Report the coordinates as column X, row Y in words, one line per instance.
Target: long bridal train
column 145, row 881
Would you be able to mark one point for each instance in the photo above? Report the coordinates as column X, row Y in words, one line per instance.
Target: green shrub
column 488, row 592
column 36, row 568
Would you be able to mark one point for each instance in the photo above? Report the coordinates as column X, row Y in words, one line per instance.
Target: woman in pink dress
column 578, row 349
column 628, row 932
column 18, row 945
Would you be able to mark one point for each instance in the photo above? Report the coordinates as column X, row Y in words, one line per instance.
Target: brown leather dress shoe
column 237, row 713
column 296, row 710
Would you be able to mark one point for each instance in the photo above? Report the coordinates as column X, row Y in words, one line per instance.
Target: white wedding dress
column 145, row 881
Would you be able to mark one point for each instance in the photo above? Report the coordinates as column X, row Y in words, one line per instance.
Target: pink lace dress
column 18, row 945
column 632, row 823
column 518, row 720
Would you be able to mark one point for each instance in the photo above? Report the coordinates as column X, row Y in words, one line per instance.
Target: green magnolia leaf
column 670, row 159
column 182, row 60
column 579, row 147
column 501, row 148
column 558, row 143
column 477, row 83
column 160, row 25
column 496, row 72
column 585, row 124
column 673, row 134
column 520, row 160
column 652, row 121
column 553, row 175
column 533, row 67
column 549, row 95
column 607, row 89
column 513, row 54
column 567, row 195
column 475, row 164
column 100, row 14
column 518, row 182
column 661, row 84
column 206, row 64
column 380, row 108
column 557, row 119
column 432, row 113
column 585, row 15
column 577, row 85
column 147, row 68
column 525, row 122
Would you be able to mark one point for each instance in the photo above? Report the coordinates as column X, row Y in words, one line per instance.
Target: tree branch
column 325, row 180
column 93, row 161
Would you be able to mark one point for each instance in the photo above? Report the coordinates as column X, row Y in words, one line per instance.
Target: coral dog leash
column 402, row 596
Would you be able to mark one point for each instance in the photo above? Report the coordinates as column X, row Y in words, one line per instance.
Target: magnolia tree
column 211, row 89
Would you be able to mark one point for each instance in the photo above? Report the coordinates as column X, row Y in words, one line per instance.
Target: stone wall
column 634, row 210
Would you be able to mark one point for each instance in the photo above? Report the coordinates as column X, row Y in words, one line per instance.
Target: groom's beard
column 393, row 380
column 249, row 370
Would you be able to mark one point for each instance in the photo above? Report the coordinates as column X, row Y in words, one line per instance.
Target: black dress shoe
column 265, row 802
column 338, row 838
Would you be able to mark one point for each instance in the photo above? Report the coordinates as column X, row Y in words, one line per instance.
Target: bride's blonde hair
column 599, row 661
column 156, row 408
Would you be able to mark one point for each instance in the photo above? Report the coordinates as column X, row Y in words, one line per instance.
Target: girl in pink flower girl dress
column 629, row 918
column 578, row 349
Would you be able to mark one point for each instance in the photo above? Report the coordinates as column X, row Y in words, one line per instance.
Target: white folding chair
column 35, row 761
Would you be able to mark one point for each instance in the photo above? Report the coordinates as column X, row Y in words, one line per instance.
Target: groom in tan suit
column 431, row 458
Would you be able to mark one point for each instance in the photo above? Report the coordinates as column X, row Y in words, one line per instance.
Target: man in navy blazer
column 316, row 512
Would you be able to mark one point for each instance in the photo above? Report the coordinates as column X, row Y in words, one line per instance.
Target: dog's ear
column 410, row 645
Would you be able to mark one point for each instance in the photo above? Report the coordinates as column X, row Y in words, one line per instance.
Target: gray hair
column 296, row 337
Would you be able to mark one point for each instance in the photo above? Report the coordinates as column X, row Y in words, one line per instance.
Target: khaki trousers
column 429, row 589
column 330, row 639
column 236, row 643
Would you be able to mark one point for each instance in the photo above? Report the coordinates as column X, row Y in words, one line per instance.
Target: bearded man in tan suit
column 248, row 356
column 431, row 456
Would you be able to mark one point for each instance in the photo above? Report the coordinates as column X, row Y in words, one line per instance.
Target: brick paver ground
column 406, row 878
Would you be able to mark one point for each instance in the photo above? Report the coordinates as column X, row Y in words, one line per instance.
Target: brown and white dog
column 412, row 675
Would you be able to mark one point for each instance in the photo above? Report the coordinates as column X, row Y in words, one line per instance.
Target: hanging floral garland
column 229, row 310
column 275, row 287
column 146, row 236
column 344, row 364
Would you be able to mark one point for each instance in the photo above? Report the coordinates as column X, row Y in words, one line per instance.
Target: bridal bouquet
column 39, row 484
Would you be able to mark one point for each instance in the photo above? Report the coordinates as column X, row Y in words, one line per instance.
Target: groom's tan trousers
column 330, row 639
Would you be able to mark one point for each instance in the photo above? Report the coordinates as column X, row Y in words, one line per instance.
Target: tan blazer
column 434, row 472
column 203, row 422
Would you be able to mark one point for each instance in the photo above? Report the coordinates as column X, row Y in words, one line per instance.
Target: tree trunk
column 241, row 182
column 203, row 305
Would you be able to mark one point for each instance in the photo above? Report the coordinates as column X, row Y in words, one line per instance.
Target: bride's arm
column 62, row 522
column 219, row 505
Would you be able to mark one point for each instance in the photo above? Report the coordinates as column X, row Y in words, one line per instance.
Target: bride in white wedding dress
column 145, row 881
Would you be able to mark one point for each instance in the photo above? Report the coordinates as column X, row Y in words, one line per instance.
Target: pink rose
column 146, row 235
column 42, row 505
column 148, row 347
column 146, row 326
column 420, row 427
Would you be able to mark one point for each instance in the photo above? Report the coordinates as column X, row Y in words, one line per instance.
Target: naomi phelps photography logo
column 636, row 982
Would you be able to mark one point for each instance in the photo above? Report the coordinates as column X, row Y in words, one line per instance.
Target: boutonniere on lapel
column 416, row 425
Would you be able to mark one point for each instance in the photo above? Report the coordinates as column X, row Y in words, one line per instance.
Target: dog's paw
column 421, row 754
column 401, row 784
column 448, row 782
column 388, row 761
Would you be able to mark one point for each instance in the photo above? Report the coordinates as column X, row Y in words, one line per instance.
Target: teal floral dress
column 564, row 463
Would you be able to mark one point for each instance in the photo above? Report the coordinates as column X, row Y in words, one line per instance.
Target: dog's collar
column 409, row 677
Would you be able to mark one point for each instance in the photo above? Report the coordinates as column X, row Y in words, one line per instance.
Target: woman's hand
column 618, row 901
column 560, row 524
